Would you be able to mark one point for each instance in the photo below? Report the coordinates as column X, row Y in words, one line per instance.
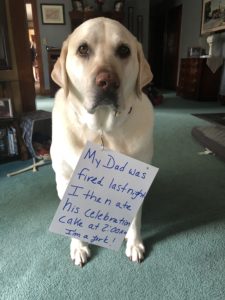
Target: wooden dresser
column 197, row 81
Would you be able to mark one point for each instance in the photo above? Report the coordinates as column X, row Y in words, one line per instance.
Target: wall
column 190, row 31
column 190, row 26
column 52, row 35
column 140, row 8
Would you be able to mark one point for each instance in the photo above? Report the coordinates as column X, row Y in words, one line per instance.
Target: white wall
column 190, row 25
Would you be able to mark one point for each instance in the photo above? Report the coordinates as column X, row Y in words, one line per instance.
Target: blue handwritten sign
column 104, row 194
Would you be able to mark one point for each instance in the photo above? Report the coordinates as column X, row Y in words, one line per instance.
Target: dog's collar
column 116, row 115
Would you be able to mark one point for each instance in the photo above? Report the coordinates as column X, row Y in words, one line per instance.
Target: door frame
column 176, row 66
column 38, row 45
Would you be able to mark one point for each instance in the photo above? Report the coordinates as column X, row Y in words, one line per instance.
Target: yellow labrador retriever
column 101, row 71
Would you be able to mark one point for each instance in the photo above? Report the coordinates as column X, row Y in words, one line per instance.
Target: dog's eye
column 83, row 50
column 123, row 51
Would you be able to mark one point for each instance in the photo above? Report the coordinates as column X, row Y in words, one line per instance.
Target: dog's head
column 103, row 65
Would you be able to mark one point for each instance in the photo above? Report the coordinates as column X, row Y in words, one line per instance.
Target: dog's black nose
column 107, row 81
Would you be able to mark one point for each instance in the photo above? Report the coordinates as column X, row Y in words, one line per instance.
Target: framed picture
column 195, row 51
column 5, row 108
column 53, row 14
column 213, row 16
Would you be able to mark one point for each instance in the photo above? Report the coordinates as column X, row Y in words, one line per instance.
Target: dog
column 101, row 71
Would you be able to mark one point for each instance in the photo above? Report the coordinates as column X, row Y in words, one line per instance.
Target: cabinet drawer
column 196, row 81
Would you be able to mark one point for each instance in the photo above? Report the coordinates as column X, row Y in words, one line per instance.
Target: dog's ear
column 144, row 75
column 59, row 74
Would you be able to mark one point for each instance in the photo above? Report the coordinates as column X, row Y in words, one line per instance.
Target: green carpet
column 183, row 227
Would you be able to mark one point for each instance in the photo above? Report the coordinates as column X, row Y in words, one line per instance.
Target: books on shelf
column 3, row 142
column 12, row 141
column 8, row 142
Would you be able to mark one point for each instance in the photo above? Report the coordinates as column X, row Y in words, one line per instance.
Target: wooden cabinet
column 197, row 81
column 78, row 17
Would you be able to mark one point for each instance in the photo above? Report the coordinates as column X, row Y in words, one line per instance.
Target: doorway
column 35, row 46
column 164, row 37
column 172, row 46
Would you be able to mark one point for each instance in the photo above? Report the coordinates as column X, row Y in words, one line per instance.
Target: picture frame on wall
column 213, row 16
column 53, row 14
column 6, row 108
column 195, row 51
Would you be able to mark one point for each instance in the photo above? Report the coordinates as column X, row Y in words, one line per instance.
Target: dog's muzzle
column 106, row 90
column 107, row 81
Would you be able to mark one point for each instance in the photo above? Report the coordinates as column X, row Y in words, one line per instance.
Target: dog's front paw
column 135, row 251
column 79, row 252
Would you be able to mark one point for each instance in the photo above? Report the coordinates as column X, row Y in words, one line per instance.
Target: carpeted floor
column 183, row 227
